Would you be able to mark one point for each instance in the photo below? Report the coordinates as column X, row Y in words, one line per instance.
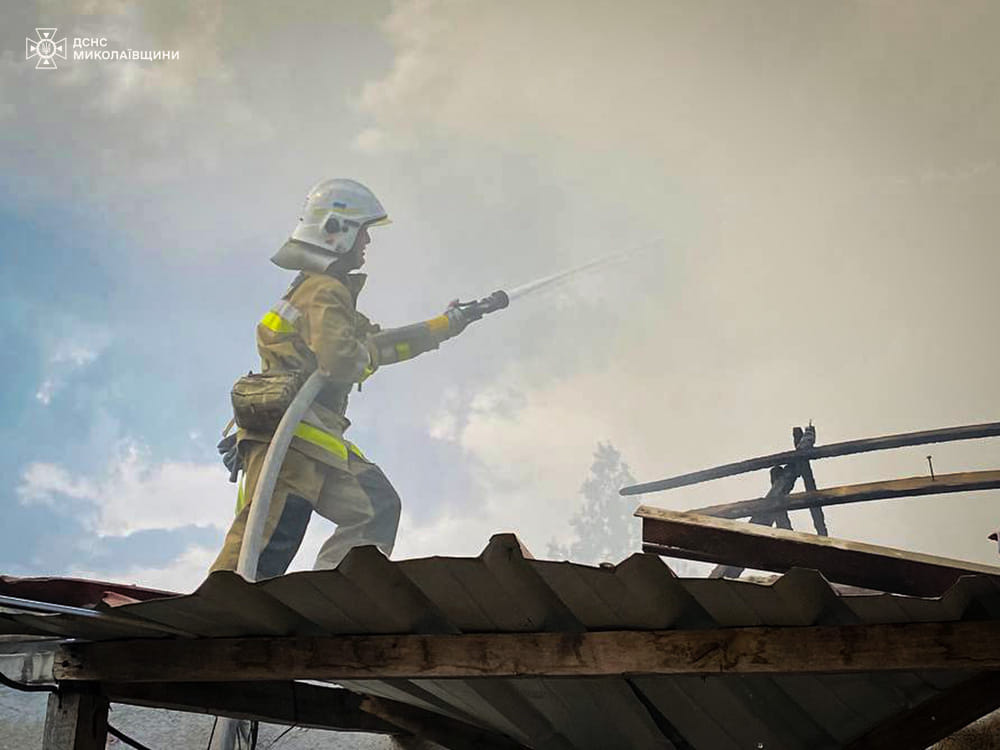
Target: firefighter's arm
column 333, row 336
column 406, row 342
column 399, row 344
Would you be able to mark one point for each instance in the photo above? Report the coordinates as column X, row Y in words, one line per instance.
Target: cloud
column 8, row 70
column 144, row 132
column 370, row 140
column 135, row 493
column 43, row 483
column 182, row 574
column 670, row 80
column 77, row 347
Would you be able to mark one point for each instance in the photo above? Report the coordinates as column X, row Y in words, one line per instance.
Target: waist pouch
column 260, row 399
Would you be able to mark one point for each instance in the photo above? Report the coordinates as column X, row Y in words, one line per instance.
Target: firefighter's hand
column 459, row 316
column 230, row 451
column 372, row 365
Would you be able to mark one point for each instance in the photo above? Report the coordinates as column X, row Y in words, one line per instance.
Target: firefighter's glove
column 459, row 316
column 372, row 365
column 230, row 451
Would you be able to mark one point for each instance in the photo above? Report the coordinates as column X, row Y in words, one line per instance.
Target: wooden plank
column 275, row 702
column 698, row 537
column 941, row 484
column 936, row 718
column 847, row 448
column 757, row 650
column 76, row 720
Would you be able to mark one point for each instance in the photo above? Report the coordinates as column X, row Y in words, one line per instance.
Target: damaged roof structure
column 852, row 646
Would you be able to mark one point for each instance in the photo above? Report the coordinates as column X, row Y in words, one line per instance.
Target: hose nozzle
column 496, row 301
column 478, row 308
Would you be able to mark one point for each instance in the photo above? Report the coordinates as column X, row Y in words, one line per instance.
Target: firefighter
column 316, row 325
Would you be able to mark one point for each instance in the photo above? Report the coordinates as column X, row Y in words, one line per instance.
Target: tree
column 605, row 529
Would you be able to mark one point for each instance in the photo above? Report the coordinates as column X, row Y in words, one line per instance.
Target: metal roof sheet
column 502, row 590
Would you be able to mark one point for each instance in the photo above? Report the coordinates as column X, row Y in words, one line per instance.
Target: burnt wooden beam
column 283, row 702
column 783, row 480
column 809, row 481
column 941, row 484
column 847, row 448
column 76, row 720
column 757, row 650
column 807, row 439
column 935, row 719
column 697, row 537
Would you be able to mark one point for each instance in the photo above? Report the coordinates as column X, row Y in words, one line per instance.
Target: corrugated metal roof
column 503, row 591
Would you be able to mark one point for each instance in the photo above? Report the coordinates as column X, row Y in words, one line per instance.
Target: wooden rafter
column 852, row 493
column 847, row 448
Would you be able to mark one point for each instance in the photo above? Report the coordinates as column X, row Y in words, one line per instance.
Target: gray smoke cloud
column 824, row 174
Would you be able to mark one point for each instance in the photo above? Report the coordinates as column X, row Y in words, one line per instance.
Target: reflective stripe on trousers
column 327, row 441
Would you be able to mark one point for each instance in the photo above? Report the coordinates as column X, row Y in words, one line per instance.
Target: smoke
column 824, row 174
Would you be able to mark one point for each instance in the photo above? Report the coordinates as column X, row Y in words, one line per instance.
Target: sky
column 815, row 185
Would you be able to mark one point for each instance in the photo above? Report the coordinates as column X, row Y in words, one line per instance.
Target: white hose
column 227, row 730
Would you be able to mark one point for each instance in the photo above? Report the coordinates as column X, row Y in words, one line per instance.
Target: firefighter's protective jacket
column 316, row 325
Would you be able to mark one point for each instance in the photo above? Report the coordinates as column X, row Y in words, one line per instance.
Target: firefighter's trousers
column 360, row 500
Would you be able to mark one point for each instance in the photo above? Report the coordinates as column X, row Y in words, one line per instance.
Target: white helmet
column 333, row 214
